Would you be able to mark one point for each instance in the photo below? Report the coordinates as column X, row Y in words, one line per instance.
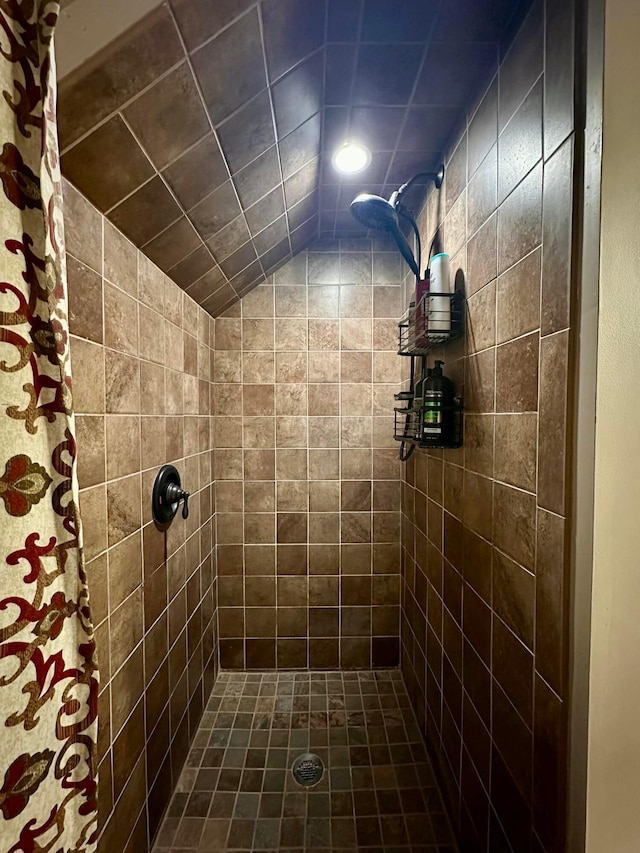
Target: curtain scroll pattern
column 48, row 670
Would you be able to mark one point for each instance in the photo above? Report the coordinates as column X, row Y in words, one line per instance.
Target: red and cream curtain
column 48, row 671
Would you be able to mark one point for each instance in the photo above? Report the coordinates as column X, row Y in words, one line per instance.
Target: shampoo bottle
column 439, row 289
column 438, row 401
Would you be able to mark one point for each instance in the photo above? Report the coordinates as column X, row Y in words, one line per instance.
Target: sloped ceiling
column 205, row 132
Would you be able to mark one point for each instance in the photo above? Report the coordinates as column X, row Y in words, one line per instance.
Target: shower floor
column 237, row 792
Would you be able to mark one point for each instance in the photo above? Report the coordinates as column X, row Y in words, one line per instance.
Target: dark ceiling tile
column 399, row 20
column 265, row 211
column 169, row 117
column 292, row 30
column 238, row 261
column 328, row 196
column 229, row 238
column 428, row 128
column 340, row 68
column 303, row 210
column 271, row 235
column 377, row 127
column 199, row 20
column 107, row 165
column 302, row 183
column 327, row 222
column 275, row 257
column 216, row 64
column 117, row 74
column 304, row 235
column 335, row 127
column 343, row 19
column 207, row 285
column 220, row 300
column 298, row 96
column 193, row 267
column 215, row 211
column 406, row 164
column 386, row 73
column 347, row 224
column 468, row 20
column 301, row 146
column 197, row 173
column 452, row 74
column 258, row 178
column 249, row 276
column 248, row 133
column 146, row 213
column 173, row 244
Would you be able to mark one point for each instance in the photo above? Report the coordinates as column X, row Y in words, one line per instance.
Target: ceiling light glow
column 351, row 157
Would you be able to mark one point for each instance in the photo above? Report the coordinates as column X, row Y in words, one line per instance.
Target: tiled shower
column 404, row 621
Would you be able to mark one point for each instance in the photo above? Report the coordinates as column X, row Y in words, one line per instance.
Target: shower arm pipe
column 405, row 215
column 436, row 177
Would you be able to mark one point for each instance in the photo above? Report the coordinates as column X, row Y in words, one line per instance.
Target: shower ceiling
column 205, row 133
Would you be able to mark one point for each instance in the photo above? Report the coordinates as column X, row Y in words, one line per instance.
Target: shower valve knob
column 167, row 494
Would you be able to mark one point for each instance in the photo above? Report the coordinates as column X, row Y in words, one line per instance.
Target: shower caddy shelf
column 421, row 328
column 408, row 424
column 420, row 333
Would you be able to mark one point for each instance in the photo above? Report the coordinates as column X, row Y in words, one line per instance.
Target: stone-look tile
column 516, row 445
column 514, row 595
column 120, row 320
column 85, row 301
column 88, row 372
column 481, row 319
column 479, row 452
column 128, row 66
column 482, row 258
column 517, row 375
column 559, row 105
column 93, row 509
column 557, row 220
column 483, row 188
column 520, row 143
column 83, row 228
column 520, row 221
column 123, row 445
column 510, row 553
column 169, row 117
column 143, row 215
column 552, row 429
column 515, row 523
column 114, row 380
column 483, row 128
column 112, row 145
column 518, row 297
column 91, row 456
column 120, row 260
column 122, row 383
column 522, row 65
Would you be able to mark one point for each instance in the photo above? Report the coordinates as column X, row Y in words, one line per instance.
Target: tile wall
column 484, row 643
column 308, row 476
column 141, row 354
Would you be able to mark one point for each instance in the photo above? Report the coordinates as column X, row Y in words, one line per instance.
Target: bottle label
column 432, row 419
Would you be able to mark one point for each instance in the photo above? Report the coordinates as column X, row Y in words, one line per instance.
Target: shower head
column 377, row 213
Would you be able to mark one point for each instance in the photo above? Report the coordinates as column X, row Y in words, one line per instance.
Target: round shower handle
column 167, row 494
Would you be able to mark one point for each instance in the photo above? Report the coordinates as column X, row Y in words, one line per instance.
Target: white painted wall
column 613, row 783
column 86, row 26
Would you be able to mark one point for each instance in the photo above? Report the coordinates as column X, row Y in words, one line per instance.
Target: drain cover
column 307, row 769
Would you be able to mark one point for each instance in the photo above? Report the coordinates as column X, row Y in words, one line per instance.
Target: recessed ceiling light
column 351, row 157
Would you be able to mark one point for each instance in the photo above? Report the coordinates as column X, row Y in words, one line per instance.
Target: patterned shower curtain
column 48, row 672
